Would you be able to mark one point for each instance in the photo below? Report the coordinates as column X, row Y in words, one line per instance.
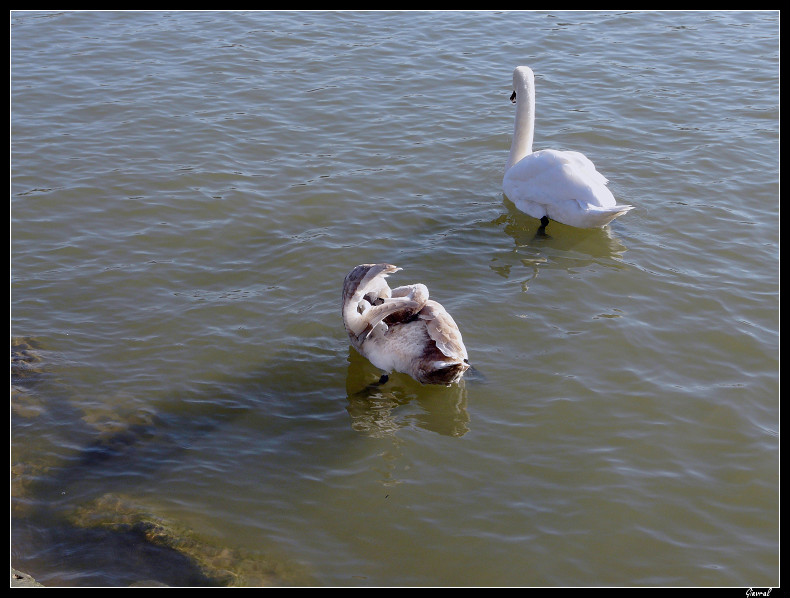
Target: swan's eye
column 513, row 97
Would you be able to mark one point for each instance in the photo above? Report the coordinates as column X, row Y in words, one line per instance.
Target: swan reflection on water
column 381, row 409
column 526, row 231
column 533, row 246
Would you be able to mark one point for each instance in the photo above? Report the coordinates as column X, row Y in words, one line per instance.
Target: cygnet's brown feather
column 401, row 329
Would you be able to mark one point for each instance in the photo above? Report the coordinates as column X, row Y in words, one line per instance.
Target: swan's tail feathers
column 600, row 217
column 443, row 373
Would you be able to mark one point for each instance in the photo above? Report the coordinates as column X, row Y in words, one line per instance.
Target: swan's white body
column 401, row 329
column 560, row 185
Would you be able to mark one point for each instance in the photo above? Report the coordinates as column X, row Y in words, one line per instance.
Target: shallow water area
column 188, row 191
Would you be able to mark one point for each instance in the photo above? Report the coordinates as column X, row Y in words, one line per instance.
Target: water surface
column 188, row 190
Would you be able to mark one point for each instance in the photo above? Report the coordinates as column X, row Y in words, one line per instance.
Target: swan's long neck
column 524, row 128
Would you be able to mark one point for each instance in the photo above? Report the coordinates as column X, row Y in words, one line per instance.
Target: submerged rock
column 25, row 359
column 110, row 537
column 220, row 565
column 23, row 580
column 26, row 369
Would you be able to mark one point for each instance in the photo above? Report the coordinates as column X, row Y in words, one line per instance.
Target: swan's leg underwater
column 373, row 386
column 544, row 222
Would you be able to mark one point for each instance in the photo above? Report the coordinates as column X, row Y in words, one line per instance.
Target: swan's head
column 521, row 76
column 523, row 79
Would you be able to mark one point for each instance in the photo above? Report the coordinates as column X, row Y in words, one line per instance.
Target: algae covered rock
column 26, row 370
column 23, row 580
column 222, row 565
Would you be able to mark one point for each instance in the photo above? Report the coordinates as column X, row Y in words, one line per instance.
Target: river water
column 188, row 190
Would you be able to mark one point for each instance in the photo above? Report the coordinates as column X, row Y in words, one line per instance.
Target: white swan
column 551, row 184
column 401, row 329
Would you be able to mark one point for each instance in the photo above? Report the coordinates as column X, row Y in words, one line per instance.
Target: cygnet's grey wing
column 376, row 313
column 366, row 278
column 417, row 293
column 443, row 330
column 362, row 287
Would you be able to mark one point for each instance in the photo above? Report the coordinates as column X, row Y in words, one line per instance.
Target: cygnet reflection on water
column 379, row 408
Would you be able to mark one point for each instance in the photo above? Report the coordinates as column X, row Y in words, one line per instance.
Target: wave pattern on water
column 188, row 191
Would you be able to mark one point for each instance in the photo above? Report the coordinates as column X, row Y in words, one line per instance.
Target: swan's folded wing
column 583, row 166
column 550, row 177
column 443, row 330
column 376, row 313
